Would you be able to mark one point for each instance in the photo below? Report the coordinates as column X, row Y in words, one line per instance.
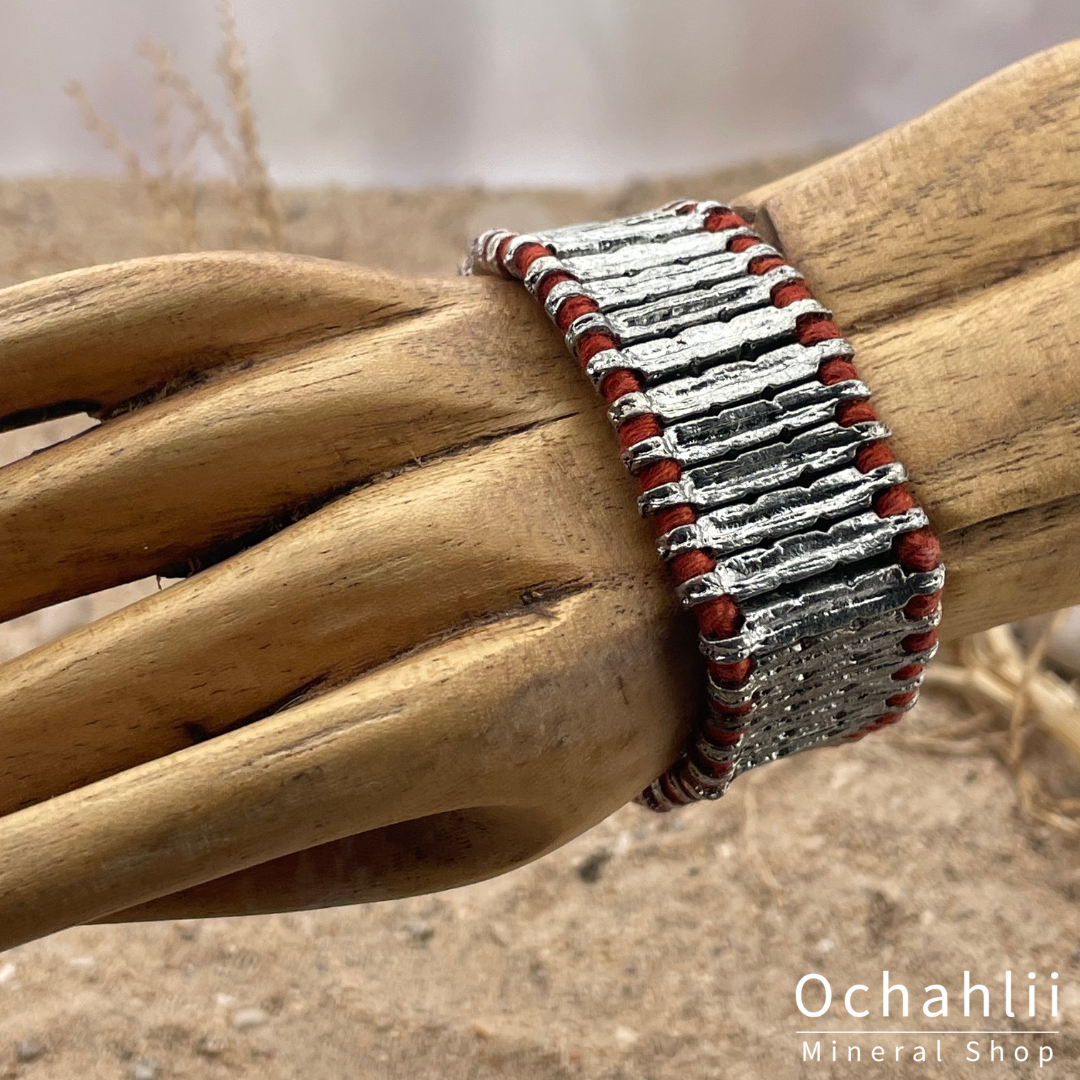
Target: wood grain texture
column 476, row 647
column 64, row 348
column 116, row 504
column 366, row 578
column 363, row 757
column 964, row 195
column 983, row 395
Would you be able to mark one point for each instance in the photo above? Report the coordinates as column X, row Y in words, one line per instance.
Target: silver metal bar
column 830, row 668
column 673, row 314
column 739, row 380
column 794, row 558
column 833, row 601
column 766, row 420
column 670, row 279
column 781, row 512
column 700, row 347
column 668, row 210
column 818, row 450
column 602, row 237
column 850, row 646
column 640, row 257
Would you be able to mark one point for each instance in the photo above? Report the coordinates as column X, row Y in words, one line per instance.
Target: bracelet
column 776, row 501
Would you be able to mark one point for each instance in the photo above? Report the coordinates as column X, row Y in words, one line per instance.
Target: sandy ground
column 652, row 947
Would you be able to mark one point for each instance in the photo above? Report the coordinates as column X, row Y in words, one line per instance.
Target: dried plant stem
column 172, row 185
column 179, row 187
column 234, row 72
column 1014, row 694
column 110, row 137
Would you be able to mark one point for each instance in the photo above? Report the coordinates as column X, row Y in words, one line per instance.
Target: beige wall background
column 505, row 92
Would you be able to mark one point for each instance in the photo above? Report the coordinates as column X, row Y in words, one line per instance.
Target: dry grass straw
column 182, row 120
column 1020, row 711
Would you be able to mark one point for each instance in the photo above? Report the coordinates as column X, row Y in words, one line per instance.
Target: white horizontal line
column 927, row 1032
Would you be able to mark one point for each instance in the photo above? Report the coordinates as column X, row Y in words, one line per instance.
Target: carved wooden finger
column 288, row 432
column 92, row 339
column 365, row 579
column 478, row 721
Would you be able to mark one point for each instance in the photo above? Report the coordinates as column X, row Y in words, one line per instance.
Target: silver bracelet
column 777, row 503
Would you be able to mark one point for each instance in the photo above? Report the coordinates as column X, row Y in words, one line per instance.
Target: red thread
column 592, row 343
column 549, row 281
column 918, row 550
column 762, row 264
column 919, row 642
column 574, row 308
column 691, row 564
column 898, row 700
column 854, row 412
column 908, row 671
column 726, row 715
column 731, row 676
column 673, row 792
column 722, row 736
column 663, row 472
column 721, row 218
column 672, row 518
column 873, row 455
column 836, row 370
column 525, row 256
column 813, row 327
column 718, row 617
column 714, row 770
column 618, row 383
column 892, row 501
column 636, row 429
column 918, row 607
column 500, row 254
column 741, row 243
column 788, row 292
column 886, row 720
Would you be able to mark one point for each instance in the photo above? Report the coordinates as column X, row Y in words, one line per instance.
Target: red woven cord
column 674, row 516
column 573, row 308
column 788, row 292
column 549, row 281
column 618, row 383
column 919, row 607
column 722, row 218
column 919, row 642
column 592, row 343
column 663, row 472
column 836, row 370
column 731, row 676
column 636, row 429
column 764, row 263
column 898, row 700
column 691, row 564
column 500, row 254
column 525, row 256
column 908, row 671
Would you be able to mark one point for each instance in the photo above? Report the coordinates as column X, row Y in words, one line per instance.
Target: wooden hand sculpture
column 430, row 638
